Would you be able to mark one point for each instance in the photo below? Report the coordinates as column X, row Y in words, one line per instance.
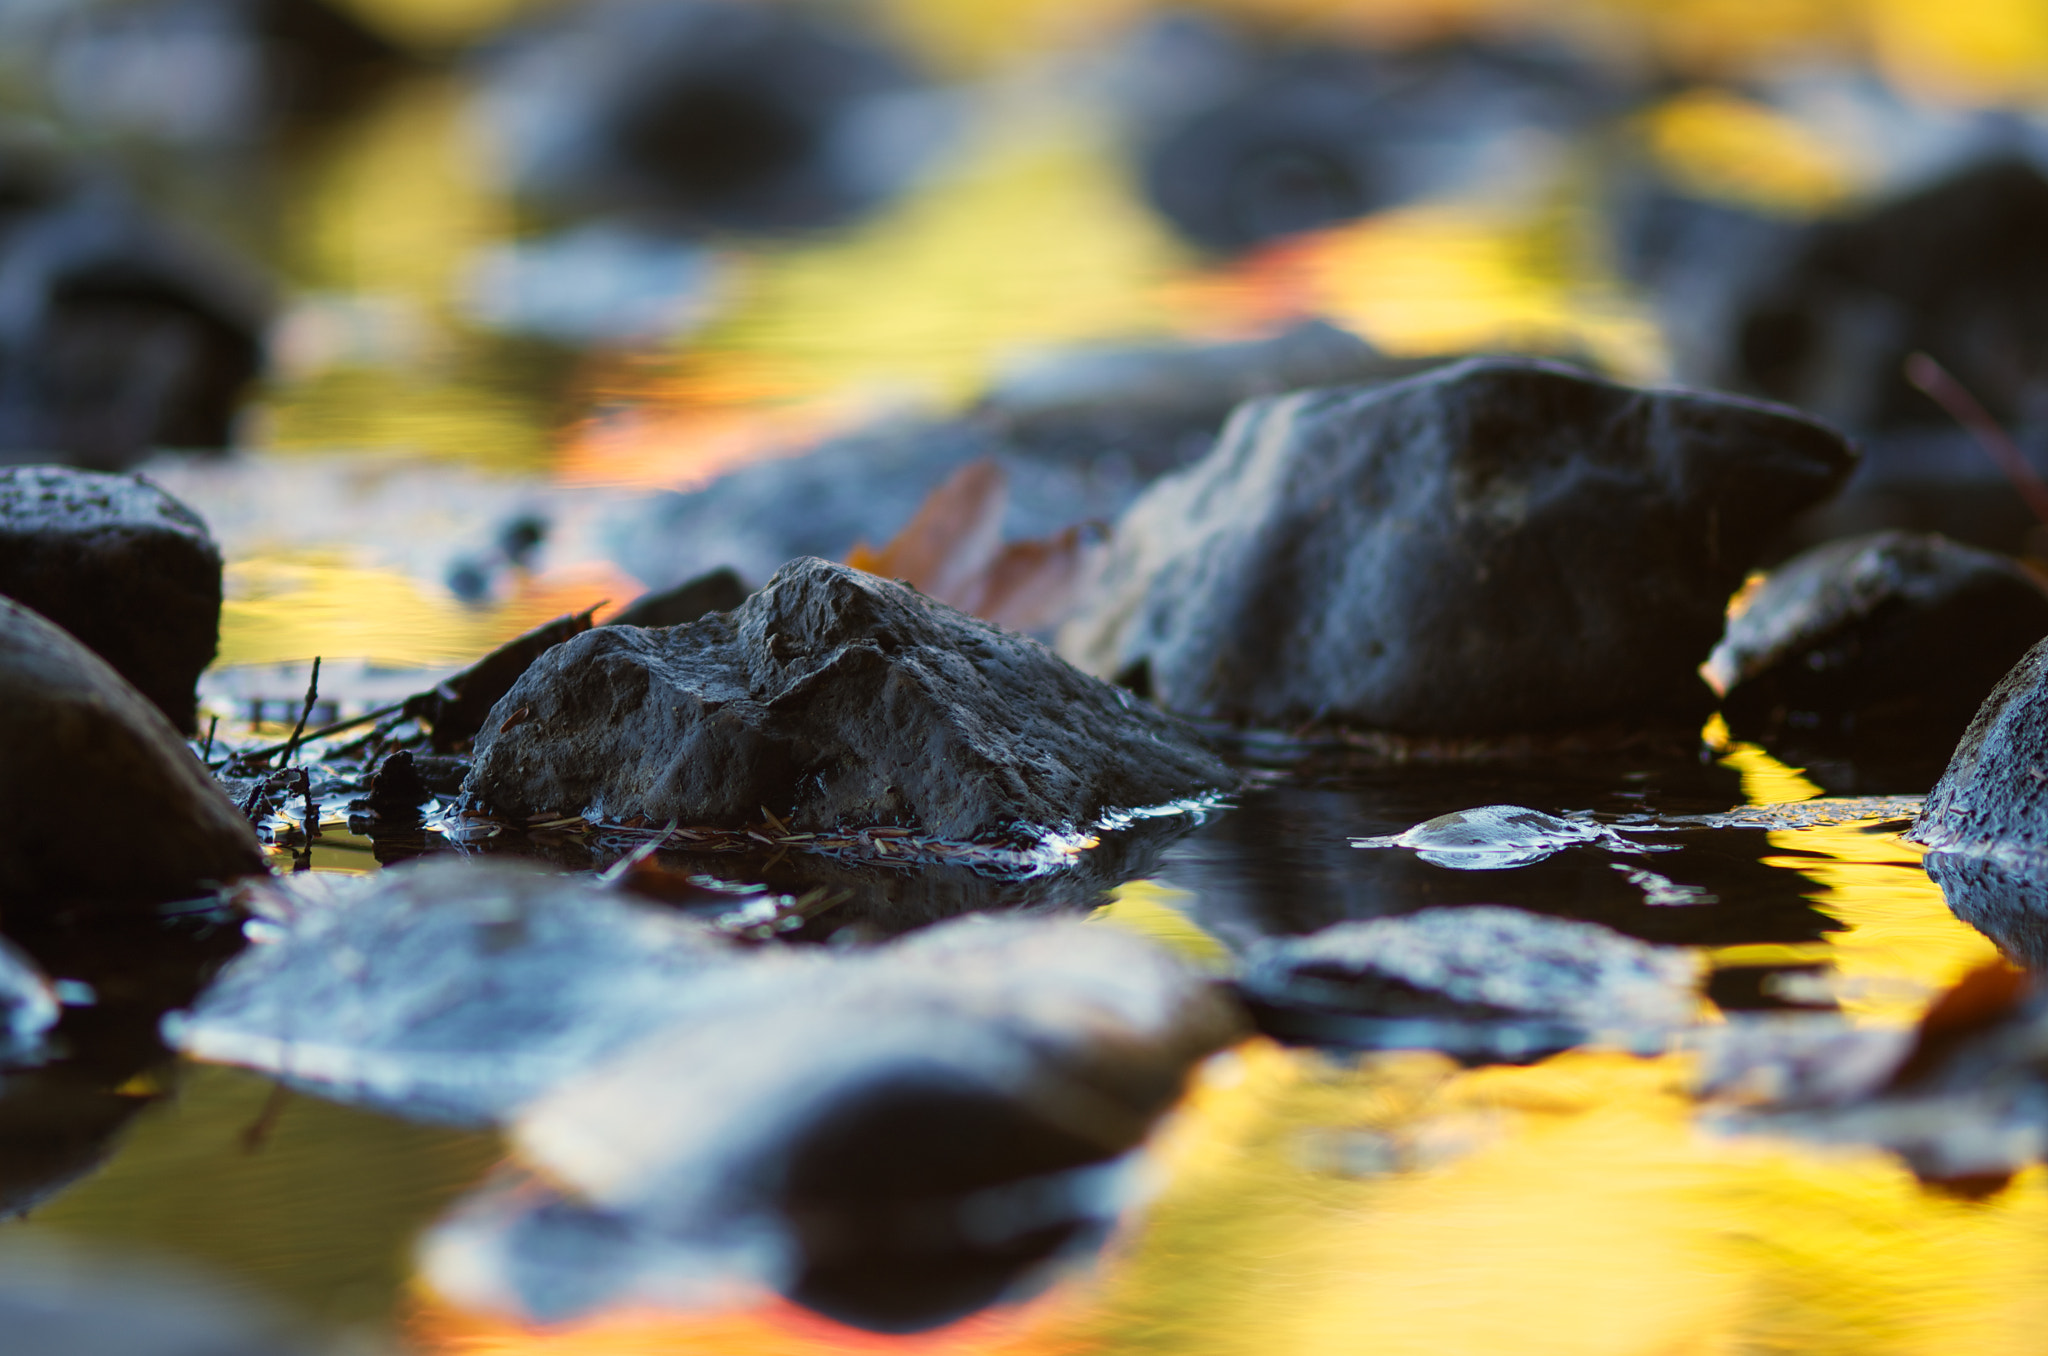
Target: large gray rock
column 1993, row 799
column 830, row 698
column 1495, row 547
column 122, row 566
column 1896, row 636
column 86, row 756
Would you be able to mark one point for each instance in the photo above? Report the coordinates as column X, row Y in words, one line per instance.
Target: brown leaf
column 954, row 535
column 1035, row 585
column 1981, row 999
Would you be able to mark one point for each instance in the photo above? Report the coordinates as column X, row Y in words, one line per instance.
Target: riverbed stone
column 1993, row 798
column 1495, row 547
column 123, row 566
column 831, row 698
column 1895, row 636
column 91, row 764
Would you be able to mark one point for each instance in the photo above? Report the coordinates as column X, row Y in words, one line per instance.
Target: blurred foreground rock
column 899, row 1138
column 122, row 566
column 1884, row 645
column 1491, row 548
column 28, row 1005
column 88, row 762
column 830, row 699
column 63, row 1301
column 1993, row 799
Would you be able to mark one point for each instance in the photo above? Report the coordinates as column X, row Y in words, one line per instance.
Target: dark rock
column 1407, row 558
column 122, row 566
column 900, row 1138
column 1479, row 981
column 1993, row 799
column 830, row 698
column 1823, row 316
column 456, row 991
column 718, row 591
column 58, row 1300
column 1077, row 433
column 86, row 755
column 395, row 791
column 1886, row 643
column 710, row 113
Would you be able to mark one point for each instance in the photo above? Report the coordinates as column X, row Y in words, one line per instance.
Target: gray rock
column 122, row 566
column 457, row 991
column 84, row 750
column 1993, row 799
column 1891, row 637
column 1496, row 547
column 830, row 698
column 895, row 1140
column 59, row 1300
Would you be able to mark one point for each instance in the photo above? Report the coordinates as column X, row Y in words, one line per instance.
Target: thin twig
column 1931, row 377
column 211, row 726
column 323, row 732
column 257, row 1133
column 312, row 694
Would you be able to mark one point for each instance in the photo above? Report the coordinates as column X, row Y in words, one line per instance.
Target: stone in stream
column 831, row 698
column 102, row 802
column 897, row 1139
column 1993, row 799
column 458, row 991
column 1498, row 547
column 1882, row 640
column 121, row 565
column 1478, row 981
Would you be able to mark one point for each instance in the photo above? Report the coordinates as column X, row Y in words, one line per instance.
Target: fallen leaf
column 1980, row 999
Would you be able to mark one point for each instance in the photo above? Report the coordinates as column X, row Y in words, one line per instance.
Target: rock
column 831, row 698
column 457, row 991
column 1993, row 798
column 1481, row 980
column 895, row 1141
column 718, row 591
column 1078, row 433
column 59, row 1300
column 1406, row 558
column 1880, row 641
column 709, row 113
column 122, row 566
column 28, row 1006
column 82, row 747
column 2006, row 902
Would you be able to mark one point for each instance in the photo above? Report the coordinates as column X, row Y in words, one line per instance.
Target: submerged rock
column 456, row 991
column 896, row 1140
column 2006, row 902
column 1480, row 980
column 830, row 698
column 1889, row 639
column 1993, row 798
column 1413, row 558
column 87, row 756
column 121, row 565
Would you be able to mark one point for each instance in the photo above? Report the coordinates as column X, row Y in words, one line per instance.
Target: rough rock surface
column 454, row 990
column 1993, row 799
column 122, row 566
column 830, row 698
column 894, row 1141
column 1499, row 546
column 87, row 756
column 1896, row 635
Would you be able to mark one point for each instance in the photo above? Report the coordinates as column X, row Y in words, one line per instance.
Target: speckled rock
column 102, row 802
column 830, row 698
column 122, row 566
column 1993, row 799
column 1495, row 547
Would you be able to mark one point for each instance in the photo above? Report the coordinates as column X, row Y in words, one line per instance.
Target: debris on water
column 1497, row 837
column 901, row 1137
column 61, row 1299
column 1480, row 981
column 1661, row 892
column 123, row 566
column 456, row 990
column 1403, row 557
column 844, row 704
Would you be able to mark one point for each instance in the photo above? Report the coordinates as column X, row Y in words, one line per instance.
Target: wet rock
column 457, row 708
column 1883, row 641
column 455, row 991
column 1077, row 433
column 1405, row 558
column 1993, row 798
column 28, row 1005
column 901, row 1138
column 87, row 756
column 2005, row 901
column 119, row 333
column 718, row 591
column 830, row 698
column 710, row 113
column 1479, row 981
column 58, row 1300
column 122, row 566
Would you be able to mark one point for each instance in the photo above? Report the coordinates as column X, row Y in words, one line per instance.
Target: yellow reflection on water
column 1721, row 146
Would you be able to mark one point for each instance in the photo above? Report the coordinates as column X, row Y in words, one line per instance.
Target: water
column 1301, row 1202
